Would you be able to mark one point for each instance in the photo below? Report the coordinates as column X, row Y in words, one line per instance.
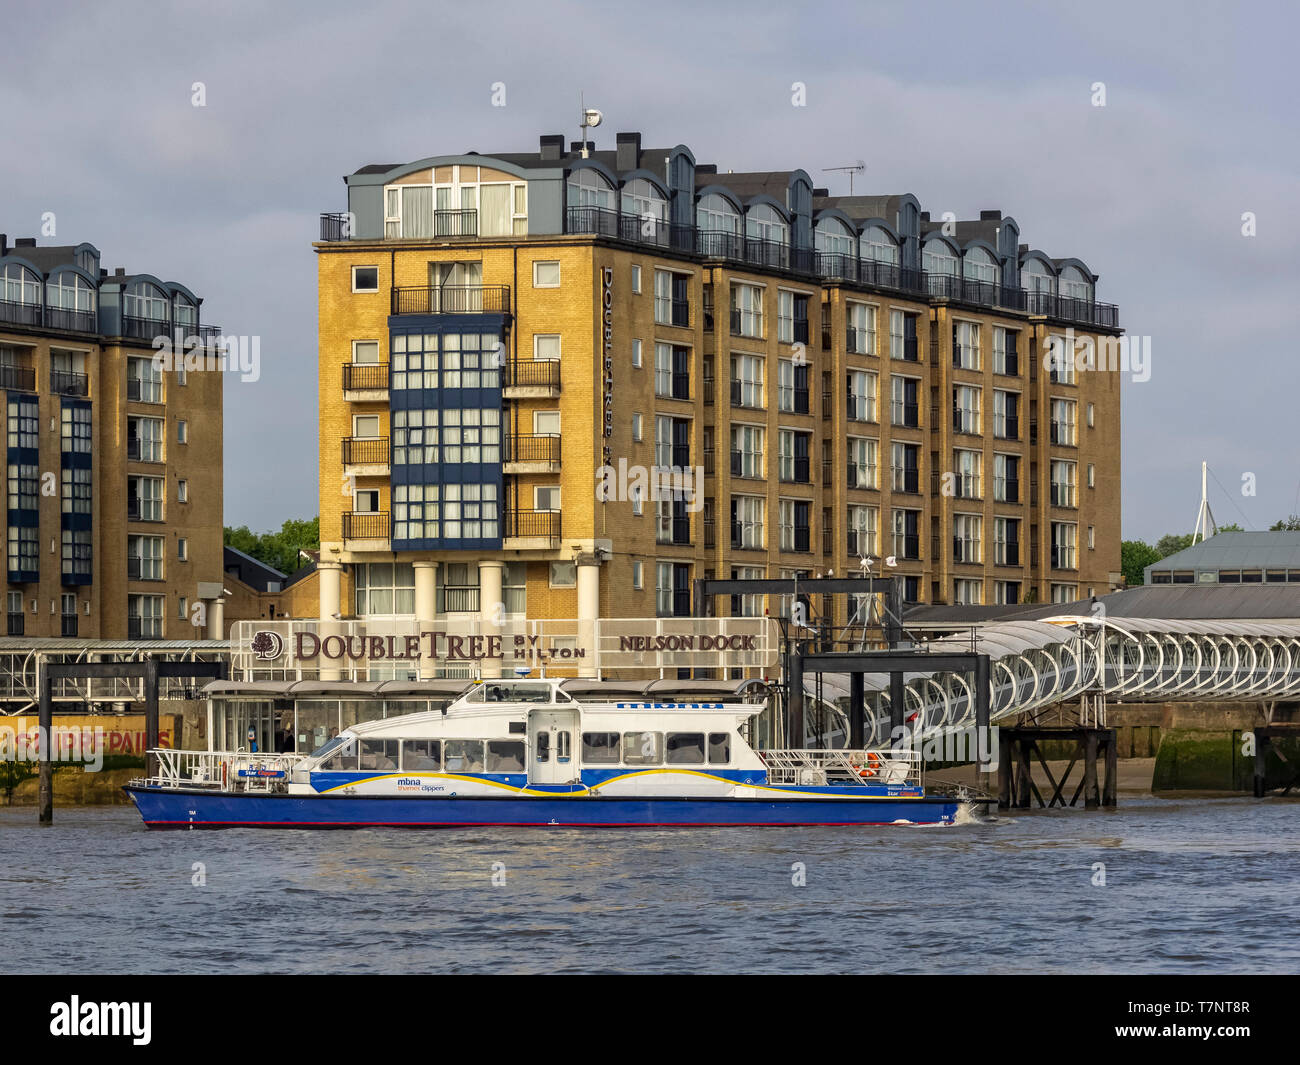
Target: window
column 76, row 496
column 1006, row 415
column 643, row 748
column 672, row 371
column 966, row 409
column 672, row 442
column 684, row 748
column 1006, row 593
column 365, row 353
column 546, row 422
column 1060, row 359
column 1064, row 476
column 967, row 533
column 546, row 497
column 863, row 531
column 144, row 498
column 967, row 592
column 903, row 408
column 747, row 451
column 143, row 381
column 636, row 428
column 747, row 606
column 1006, row 541
column 747, row 381
column 365, row 426
column 1064, row 593
column 863, row 461
column 672, row 306
column 636, row 354
column 23, row 482
column 384, row 589
column 564, row 575
column 1092, row 476
column 792, row 518
column 747, row 310
column 182, row 431
column 144, row 616
column 905, row 465
column 861, row 330
column 747, row 521
column 906, row 537
column 546, row 346
column 637, row 575
column 1091, row 410
column 471, row 435
column 792, row 456
column 365, row 279
column 636, row 280
column 601, row 748
column 144, row 439
column 1064, row 542
column 546, row 274
column 1092, row 538
column 1006, row 478
column 1005, row 360
column 183, row 549
column 966, row 345
column 862, row 396
column 144, row 555
column 1064, row 422
column 967, row 467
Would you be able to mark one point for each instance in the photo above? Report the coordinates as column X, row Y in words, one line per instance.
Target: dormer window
column 642, row 200
column 715, row 214
column 185, row 313
column 70, row 292
column 979, row 265
column 764, row 222
column 1035, row 276
column 878, row 246
column 476, row 202
column 937, row 258
column 1075, row 285
column 833, row 238
column 588, row 188
column 145, row 300
column 19, row 285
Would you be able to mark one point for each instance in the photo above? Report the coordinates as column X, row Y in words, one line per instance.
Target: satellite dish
column 591, row 117
column 891, row 562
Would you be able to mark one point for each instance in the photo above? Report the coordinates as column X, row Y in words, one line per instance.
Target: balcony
column 1073, row 310
column 827, row 408
column 452, row 299
column 366, row 456
column 370, row 525
column 71, row 320
column 365, row 381
column 20, row 313
column 69, row 383
column 532, row 453
column 721, row 244
column 532, row 379
column 708, row 391
column 17, row 378
column 837, row 266
column 334, row 227
column 145, row 328
column 531, row 529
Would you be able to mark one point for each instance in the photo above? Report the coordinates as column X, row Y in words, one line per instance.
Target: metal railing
column 334, row 227
column 452, row 299
column 536, row 373
column 19, row 378
column 71, row 320
column 841, row 766
column 533, row 524
column 365, row 451
column 365, row 376
column 532, row 447
column 221, row 770
column 69, row 383
column 145, row 328
column 365, row 525
column 20, row 313
column 458, row 599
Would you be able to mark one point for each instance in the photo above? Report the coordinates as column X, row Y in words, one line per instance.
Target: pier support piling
column 1016, row 786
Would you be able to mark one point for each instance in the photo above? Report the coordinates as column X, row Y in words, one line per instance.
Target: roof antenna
column 856, row 168
column 590, row 117
column 1204, row 519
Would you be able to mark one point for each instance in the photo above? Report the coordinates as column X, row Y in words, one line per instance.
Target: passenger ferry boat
column 526, row 753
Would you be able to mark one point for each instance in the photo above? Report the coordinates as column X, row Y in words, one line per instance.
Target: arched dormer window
column 937, row 258
column 979, row 265
column 67, row 291
column 588, row 188
column 1074, row 285
column 20, row 285
column 184, row 312
column 146, row 301
column 1035, row 276
column 715, row 214
column 832, row 237
column 764, row 222
column 877, row 245
column 641, row 199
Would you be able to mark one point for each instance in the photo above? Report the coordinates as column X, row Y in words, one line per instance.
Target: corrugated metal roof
column 1238, row 550
column 71, row 645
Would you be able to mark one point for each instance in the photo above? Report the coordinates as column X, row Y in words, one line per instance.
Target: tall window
column 966, row 409
column 861, row 334
column 904, row 409
column 747, row 521
column 747, row 451
column 1006, row 478
column 747, row 381
column 384, row 589
column 966, row 466
column 793, row 516
column 144, row 556
column 966, row 345
column 905, row 465
column 863, row 531
column 967, row 533
column 792, row 453
column 145, row 616
column 1005, row 359
column 862, row 396
column 1064, row 544
column 1064, row 483
column 1065, row 415
column 747, row 310
column 1006, row 414
column 1006, row 541
column 792, row 387
column 863, row 462
column 967, row 592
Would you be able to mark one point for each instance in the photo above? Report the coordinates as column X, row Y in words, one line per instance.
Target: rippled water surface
column 1190, row 886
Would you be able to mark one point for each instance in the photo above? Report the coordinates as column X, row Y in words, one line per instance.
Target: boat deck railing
column 839, row 766
column 221, row 770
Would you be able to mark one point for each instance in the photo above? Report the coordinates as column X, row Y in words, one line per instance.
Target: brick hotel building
column 852, row 379
column 113, row 526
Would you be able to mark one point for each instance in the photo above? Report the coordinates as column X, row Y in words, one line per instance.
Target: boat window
column 518, row 726
column 422, row 754
column 344, row 756
column 464, row 756
column 505, row 756
column 326, row 749
column 514, row 693
column 562, row 743
column 543, row 746
column 719, row 748
column 643, row 748
column 685, row 748
column 600, row 748
column 379, row 754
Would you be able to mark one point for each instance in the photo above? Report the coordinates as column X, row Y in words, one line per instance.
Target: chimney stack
column 552, row 146
column 628, row 152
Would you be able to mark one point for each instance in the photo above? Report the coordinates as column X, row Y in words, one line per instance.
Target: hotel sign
column 607, row 377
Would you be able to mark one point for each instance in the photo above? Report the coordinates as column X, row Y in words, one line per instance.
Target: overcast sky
column 967, row 105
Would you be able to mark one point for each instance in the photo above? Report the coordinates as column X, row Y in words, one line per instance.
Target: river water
column 1189, row 886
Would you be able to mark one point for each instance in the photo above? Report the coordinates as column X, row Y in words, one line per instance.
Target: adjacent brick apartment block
column 114, row 465
column 850, row 379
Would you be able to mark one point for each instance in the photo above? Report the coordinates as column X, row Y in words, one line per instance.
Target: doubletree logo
column 267, row 645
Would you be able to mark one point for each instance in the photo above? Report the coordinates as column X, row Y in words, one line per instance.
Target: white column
column 588, row 611
column 426, row 608
column 217, row 619
column 331, row 606
column 491, row 607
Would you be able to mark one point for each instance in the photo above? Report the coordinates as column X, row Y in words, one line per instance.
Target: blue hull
column 178, row 809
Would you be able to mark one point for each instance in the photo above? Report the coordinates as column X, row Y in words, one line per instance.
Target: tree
column 1134, row 557
column 277, row 549
column 1289, row 524
column 1172, row 543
